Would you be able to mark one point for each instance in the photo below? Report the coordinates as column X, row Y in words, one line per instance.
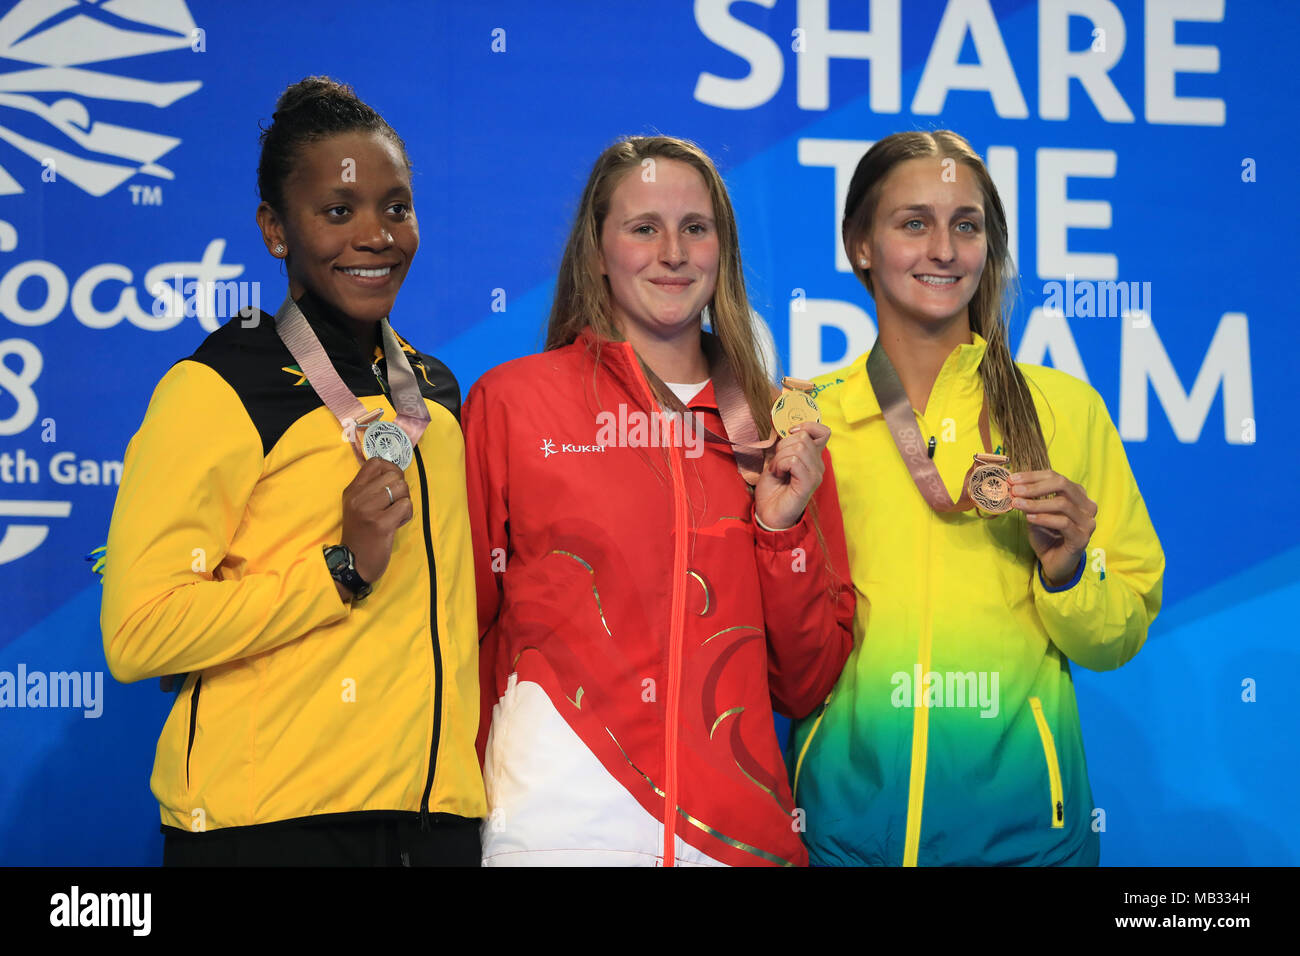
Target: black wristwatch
column 342, row 565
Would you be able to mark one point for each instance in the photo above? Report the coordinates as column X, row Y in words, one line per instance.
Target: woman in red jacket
column 648, row 592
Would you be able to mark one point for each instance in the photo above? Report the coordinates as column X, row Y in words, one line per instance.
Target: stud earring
column 279, row 248
column 863, row 263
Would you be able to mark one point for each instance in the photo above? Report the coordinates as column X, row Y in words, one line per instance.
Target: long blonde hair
column 1010, row 405
column 582, row 296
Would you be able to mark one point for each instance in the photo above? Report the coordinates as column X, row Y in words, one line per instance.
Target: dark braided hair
column 310, row 110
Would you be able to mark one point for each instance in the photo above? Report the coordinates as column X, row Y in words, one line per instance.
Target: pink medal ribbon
column 986, row 484
column 733, row 408
column 371, row 438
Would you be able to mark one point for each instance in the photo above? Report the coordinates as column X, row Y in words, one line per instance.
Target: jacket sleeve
column 483, row 422
column 1101, row 621
column 808, row 602
column 187, row 477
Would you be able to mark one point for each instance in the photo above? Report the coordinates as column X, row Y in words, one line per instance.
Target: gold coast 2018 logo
column 53, row 103
column 62, row 138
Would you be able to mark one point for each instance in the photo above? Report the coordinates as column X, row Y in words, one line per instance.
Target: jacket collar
column 330, row 326
column 958, row 376
column 620, row 360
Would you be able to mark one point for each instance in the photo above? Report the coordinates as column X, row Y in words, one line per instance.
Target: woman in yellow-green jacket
column 952, row 736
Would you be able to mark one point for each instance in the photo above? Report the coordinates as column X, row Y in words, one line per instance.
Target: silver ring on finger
column 390, row 494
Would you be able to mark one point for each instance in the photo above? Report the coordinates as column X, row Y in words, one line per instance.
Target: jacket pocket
column 194, row 722
column 1053, row 767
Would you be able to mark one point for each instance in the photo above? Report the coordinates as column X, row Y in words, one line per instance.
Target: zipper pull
column 931, row 452
column 1060, row 811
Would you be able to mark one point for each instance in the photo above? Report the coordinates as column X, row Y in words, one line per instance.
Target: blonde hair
column 1010, row 405
column 582, row 296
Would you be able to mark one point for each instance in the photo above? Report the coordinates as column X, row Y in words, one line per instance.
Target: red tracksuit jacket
column 637, row 626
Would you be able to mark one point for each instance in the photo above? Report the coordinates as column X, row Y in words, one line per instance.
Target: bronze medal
column 794, row 406
column 990, row 484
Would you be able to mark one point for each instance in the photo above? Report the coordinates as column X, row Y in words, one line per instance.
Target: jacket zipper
column 920, row 711
column 433, row 621
column 1053, row 766
column 676, row 637
column 194, row 721
column 437, row 651
column 798, row 764
column 676, row 628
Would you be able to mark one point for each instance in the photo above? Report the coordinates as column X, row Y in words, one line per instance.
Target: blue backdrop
column 1149, row 144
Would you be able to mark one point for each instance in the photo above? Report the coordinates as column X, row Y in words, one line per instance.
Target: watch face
column 336, row 558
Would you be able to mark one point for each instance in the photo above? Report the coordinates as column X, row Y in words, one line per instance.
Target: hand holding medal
column 1061, row 519
column 1060, row 514
column 377, row 501
column 793, row 469
column 375, row 504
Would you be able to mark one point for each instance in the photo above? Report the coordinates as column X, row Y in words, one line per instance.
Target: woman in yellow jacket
column 952, row 736
column 319, row 723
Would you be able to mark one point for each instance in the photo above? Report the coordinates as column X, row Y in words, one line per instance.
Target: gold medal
column 794, row 405
column 990, row 484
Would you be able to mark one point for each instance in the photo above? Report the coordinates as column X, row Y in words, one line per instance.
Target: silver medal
column 387, row 441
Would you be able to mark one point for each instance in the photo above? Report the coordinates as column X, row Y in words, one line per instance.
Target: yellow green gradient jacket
column 296, row 704
column 952, row 736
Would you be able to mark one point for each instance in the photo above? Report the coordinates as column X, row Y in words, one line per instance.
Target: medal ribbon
column 733, row 408
column 902, row 425
column 302, row 343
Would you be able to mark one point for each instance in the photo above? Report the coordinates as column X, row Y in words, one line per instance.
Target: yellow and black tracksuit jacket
column 296, row 704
